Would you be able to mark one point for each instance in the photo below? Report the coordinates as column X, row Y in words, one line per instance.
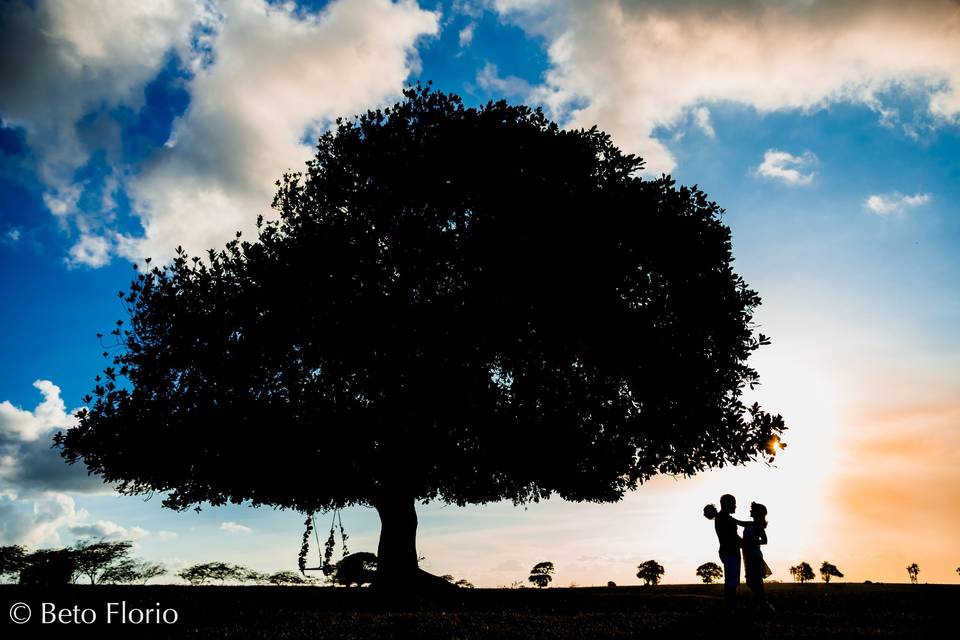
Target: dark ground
column 666, row 611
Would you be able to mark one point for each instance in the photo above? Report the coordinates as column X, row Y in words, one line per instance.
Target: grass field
column 666, row 611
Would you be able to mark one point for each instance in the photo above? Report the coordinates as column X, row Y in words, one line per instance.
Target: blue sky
column 831, row 136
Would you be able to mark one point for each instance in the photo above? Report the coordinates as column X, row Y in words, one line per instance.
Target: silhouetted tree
column 650, row 572
column 541, row 574
column 446, row 292
column 709, row 571
column 12, row 560
column 130, row 571
column 460, row 583
column 49, row 567
column 611, row 583
column 288, row 578
column 356, row 568
column 828, row 571
column 208, row 571
column 92, row 558
column 802, row 572
column 913, row 571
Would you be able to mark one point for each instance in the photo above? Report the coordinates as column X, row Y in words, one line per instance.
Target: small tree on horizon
column 94, row 558
column 199, row 574
column 802, row 572
column 541, row 574
column 12, row 560
column 650, row 572
column 828, row 570
column 132, row 571
column 282, row 578
column 913, row 571
column 709, row 572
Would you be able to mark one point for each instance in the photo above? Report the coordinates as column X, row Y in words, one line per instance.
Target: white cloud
column 233, row 527
column 61, row 60
column 14, row 234
column 265, row 75
column 38, row 521
column 90, row 251
column 28, row 464
column 276, row 75
column 888, row 203
column 466, row 34
column 631, row 66
column 701, row 118
column 107, row 530
column 166, row 535
column 28, row 426
column 511, row 86
column 786, row 168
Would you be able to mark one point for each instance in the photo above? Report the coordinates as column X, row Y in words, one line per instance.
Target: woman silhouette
column 754, row 567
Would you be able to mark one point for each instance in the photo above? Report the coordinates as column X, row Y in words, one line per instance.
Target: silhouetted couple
column 731, row 546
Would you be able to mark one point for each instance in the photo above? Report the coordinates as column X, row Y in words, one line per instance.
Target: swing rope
column 326, row 562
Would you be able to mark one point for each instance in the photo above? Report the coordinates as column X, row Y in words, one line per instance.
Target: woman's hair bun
column 710, row 511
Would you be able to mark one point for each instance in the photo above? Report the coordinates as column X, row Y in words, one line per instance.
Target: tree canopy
column 463, row 304
column 542, row 574
column 802, row 572
column 829, row 570
column 709, row 571
column 650, row 572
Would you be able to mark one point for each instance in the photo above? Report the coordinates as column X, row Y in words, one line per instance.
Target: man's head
column 728, row 504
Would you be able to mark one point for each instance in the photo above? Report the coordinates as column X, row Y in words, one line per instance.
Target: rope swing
column 326, row 566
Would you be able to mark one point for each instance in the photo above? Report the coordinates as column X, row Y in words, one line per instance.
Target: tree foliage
column 470, row 277
column 481, row 280
column 202, row 573
column 100, row 562
column 12, row 560
column 709, row 572
column 828, row 570
column 802, row 572
column 49, row 567
column 94, row 558
column 281, row 578
column 542, row 574
column 650, row 572
column 131, row 571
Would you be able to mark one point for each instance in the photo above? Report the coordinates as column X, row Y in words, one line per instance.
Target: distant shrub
column 356, row 568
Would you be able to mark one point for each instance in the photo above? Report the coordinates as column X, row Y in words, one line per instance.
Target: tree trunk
column 397, row 567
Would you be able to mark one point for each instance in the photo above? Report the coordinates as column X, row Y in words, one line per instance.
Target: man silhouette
column 730, row 544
